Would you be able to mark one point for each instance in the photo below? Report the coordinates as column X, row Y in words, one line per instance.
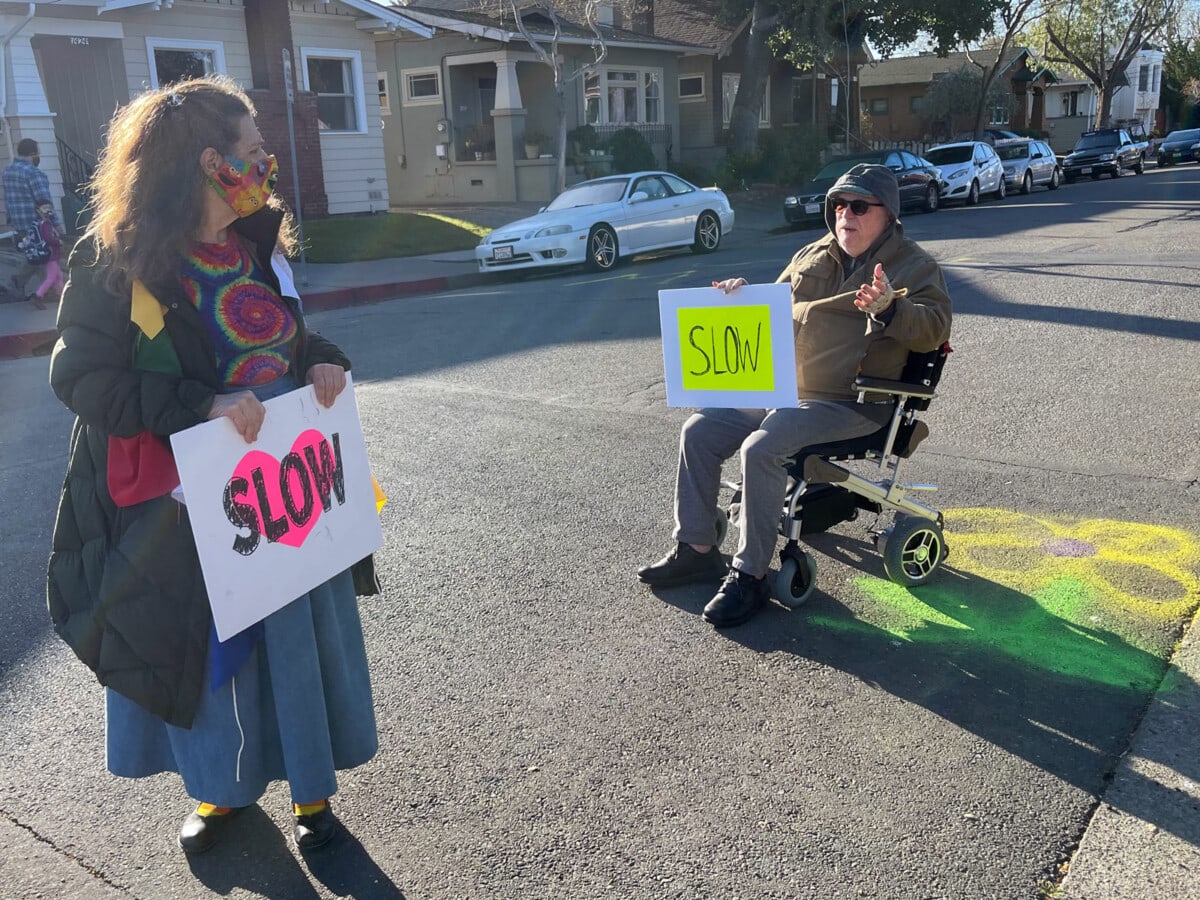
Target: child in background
column 54, row 279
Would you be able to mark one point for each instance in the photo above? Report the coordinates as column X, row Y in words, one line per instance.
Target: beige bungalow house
column 459, row 108
column 891, row 91
column 66, row 66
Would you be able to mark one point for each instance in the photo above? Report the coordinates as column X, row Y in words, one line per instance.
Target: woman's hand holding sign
column 877, row 296
column 328, row 381
column 243, row 409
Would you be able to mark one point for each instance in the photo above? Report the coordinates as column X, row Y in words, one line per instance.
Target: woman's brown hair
column 147, row 192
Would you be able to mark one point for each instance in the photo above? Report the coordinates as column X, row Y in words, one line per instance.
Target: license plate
column 1086, row 170
column 502, row 253
column 812, row 208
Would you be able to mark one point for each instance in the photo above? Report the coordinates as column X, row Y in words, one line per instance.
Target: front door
column 85, row 83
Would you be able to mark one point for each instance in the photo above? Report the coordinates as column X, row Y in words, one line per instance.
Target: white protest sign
column 729, row 350
column 278, row 517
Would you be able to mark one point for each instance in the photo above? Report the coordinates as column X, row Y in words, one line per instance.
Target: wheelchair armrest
column 886, row 386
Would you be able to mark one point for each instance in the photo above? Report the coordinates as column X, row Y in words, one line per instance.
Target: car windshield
column 949, row 155
column 1179, row 137
column 1016, row 151
column 1096, row 141
column 839, row 167
column 608, row 191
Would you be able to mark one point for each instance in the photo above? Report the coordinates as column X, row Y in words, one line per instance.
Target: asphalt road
column 552, row 729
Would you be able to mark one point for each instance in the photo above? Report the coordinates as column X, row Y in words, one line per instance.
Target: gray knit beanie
column 867, row 180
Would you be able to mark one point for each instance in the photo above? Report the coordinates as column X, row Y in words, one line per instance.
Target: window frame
column 879, row 106
column 639, row 84
column 217, row 48
column 693, row 98
column 353, row 57
column 764, row 111
column 407, row 99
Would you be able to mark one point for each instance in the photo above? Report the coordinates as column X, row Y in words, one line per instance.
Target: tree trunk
column 743, row 118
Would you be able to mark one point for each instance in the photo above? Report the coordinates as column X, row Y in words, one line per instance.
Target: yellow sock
column 207, row 809
column 308, row 809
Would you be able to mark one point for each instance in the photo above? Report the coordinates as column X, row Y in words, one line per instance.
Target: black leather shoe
column 683, row 565
column 739, row 598
column 199, row 833
column 316, row 830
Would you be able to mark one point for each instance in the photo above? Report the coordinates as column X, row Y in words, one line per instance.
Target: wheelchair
column 822, row 494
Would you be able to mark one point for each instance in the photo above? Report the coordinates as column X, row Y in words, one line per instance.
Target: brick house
column 891, row 91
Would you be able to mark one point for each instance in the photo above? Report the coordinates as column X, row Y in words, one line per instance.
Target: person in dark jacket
column 863, row 297
column 179, row 308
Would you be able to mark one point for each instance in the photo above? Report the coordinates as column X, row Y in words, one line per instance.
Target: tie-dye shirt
column 250, row 326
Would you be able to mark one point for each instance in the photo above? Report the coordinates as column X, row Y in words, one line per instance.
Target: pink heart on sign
column 296, row 534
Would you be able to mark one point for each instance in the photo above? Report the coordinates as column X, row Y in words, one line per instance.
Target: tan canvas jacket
column 835, row 340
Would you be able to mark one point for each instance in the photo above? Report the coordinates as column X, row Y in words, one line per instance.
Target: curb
column 40, row 343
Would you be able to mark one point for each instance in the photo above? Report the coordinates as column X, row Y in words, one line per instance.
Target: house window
column 1070, row 103
column 385, row 98
column 729, row 89
column 335, row 76
column 1157, row 74
column 176, row 60
column 1000, row 114
column 879, row 106
column 691, row 87
column 623, row 97
column 914, row 104
column 1144, row 78
column 422, row 87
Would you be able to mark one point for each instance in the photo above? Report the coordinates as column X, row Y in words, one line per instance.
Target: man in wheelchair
column 863, row 298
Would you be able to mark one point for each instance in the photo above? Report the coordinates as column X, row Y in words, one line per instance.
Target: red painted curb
column 31, row 343
column 40, row 343
column 371, row 293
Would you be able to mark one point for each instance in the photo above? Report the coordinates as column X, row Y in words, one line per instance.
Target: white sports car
column 599, row 221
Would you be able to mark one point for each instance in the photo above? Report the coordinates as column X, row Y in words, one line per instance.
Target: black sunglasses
column 858, row 207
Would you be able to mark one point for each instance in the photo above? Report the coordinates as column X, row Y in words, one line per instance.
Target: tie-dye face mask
column 245, row 186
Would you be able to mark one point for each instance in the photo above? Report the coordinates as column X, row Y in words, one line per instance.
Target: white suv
column 1027, row 163
column 969, row 168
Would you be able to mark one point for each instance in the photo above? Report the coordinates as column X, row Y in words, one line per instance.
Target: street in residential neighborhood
column 1023, row 726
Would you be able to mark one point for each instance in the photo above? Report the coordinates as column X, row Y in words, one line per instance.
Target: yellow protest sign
column 729, row 350
column 726, row 348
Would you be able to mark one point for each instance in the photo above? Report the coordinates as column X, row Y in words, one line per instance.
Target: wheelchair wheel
column 913, row 550
column 796, row 579
column 722, row 527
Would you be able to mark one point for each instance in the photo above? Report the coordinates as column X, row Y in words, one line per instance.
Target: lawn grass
column 352, row 238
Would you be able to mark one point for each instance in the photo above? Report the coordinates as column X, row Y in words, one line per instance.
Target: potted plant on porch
column 533, row 142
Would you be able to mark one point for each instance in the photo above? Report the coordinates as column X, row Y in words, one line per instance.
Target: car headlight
column 1196, row 146
column 551, row 230
column 957, row 173
column 791, row 201
column 1105, row 157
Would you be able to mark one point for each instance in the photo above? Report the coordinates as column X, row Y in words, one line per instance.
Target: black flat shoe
column 739, row 599
column 199, row 833
column 683, row 565
column 316, row 830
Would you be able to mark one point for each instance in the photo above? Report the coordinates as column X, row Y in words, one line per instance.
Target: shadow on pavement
column 1036, row 681
column 255, row 856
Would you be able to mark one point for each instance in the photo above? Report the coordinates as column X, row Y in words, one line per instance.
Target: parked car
column 1108, row 150
column 968, row 170
column 1179, row 147
column 1028, row 162
column 599, row 221
column 919, row 184
column 989, row 136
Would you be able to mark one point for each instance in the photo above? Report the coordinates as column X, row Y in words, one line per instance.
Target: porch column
column 508, row 119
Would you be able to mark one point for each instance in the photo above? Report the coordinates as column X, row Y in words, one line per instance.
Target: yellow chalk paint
column 726, row 348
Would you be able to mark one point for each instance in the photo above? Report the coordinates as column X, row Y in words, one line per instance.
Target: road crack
column 98, row 874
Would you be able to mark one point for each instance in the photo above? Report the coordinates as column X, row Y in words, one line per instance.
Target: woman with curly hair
column 180, row 307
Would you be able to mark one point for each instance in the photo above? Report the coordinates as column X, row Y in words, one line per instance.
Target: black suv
column 1109, row 150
